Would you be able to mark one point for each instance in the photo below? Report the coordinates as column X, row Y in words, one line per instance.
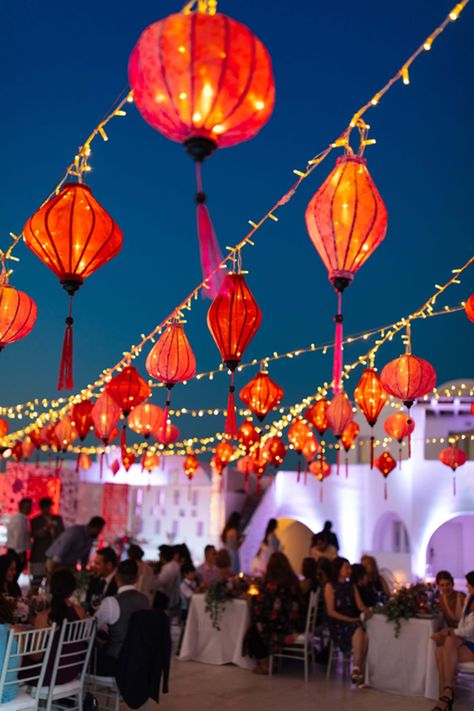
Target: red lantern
column 3, row 427
column 84, row 461
column 310, row 447
column 348, row 438
column 149, row 461
column 453, row 458
column 128, row 389
column 274, row 451
column 28, row 447
column 316, row 415
column 37, row 438
column 247, row 435
column 298, row 432
column 261, row 395
column 65, row 433
column 233, row 320
column 105, row 415
column 206, row 81
column 17, row 451
column 171, row 360
column 128, row 458
column 469, row 308
column 385, row 463
column 259, row 468
column 339, row 413
column 217, row 464
column 81, row 417
column 245, row 466
column 370, row 396
column 191, row 465
column 224, row 451
column 74, row 236
column 399, row 425
column 145, row 419
column 321, row 470
column 408, row 378
column 166, row 434
column 17, row 315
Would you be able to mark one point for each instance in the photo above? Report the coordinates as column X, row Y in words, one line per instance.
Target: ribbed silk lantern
column 261, row 395
column 171, row 360
column 17, row 315
column 408, row 378
column 190, row 465
column 370, row 396
column 105, row 414
column 320, row 469
column 274, row 451
column 399, row 425
column 298, row 432
column 339, row 414
column 247, row 435
column 128, row 389
column 348, row 439
column 84, row 461
column 469, row 308
column 74, row 236
column 65, row 433
column 81, row 416
column 233, row 320
column 316, row 415
column 385, row 463
column 206, row 81
column 145, row 419
column 453, row 458
column 166, row 434
column 149, row 461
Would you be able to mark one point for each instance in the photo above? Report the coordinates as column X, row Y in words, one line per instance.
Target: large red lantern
column 233, row 320
column 171, row 360
column 261, row 395
column 81, row 417
column 247, row 435
column 17, row 315
column 469, row 308
column 105, row 414
column 274, row 451
column 206, row 81
column 145, row 419
column 385, row 463
column 316, row 415
column 399, row 425
column 370, row 396
column 453, row 458
column 348, row 439
column 74, row 236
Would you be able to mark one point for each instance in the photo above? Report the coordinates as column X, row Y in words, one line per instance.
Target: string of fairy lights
column 55, row 408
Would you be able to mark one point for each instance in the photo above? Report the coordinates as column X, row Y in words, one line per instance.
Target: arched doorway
column 450, row 547
column 391, row 535
column 295, row 540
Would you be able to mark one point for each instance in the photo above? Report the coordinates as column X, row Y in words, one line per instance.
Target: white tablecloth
column 203, row 643
column 405, row 665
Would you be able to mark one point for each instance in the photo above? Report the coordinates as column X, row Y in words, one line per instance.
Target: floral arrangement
column 216, row 598
column 416, row 600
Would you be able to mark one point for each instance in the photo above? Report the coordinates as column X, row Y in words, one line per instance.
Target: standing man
column 73, row 546
column 18, row 535
column 45, row 528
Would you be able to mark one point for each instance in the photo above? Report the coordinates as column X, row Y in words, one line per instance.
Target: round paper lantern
column 81, row 417
column 261, row 395
column 298, row 433
column 74, row 236
column 385, row 463
column 145, row 419
column 408, row 378
column 4, row 425
column 274, row 451
column 469, row 308
column 233, row 320
column 224, row 451
column 370, row 396
column 105, row 415
column 453, row 458
column 149, row 461
column 400, row 425
column 171, row 360
column 166, row 434
column 247, row 435
column 320, row 469
column 339, row 413
column 190, row 465
column 316, row 415
column 65, row 433
column 310, row 447
column 17, row 315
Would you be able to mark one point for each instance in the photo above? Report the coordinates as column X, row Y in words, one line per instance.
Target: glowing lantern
column 217, row 465
column 128, row 458
column 145, row 419
column 233, row 320
column 3, row 427
column 17, row 451
column 298, row 432
column 453, row 458
column 310, row 447
column 65, row 433
column 348, row 438
column 149, row 461
column 74, row 236
column 245, row 466
column 259, row 468
column 224, row 451
column 37, row 438
column 408, row 377
column 81, row 418
column 128, row 389
column 370, row 396
column 274, row 451
column 316, row 415
column 261, row 395
column 399, row 425
column 385, row 463
column 469, row 308
column 321, row 469
column 206, row 81
column 190, row 466
column 48, row 432
column 84, row 461
column 105, row 415
column 166, row 434
column 28, row 447
column 247, row 435
column 171, row 360
column 339, row 413
column 17, row 315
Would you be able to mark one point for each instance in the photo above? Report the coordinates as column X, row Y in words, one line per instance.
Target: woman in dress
column 344, row 605
column 457, row 646
column 377, row 583
column 451, row 600
column 8, row 584
column 6, row 624
column 231, row 539
column 277, row 613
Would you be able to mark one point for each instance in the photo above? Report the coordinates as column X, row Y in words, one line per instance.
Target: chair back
column 312, row 611
column 73, row 651
column 19, row 650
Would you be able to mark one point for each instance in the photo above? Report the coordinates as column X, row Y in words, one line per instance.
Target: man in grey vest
column 113, row 617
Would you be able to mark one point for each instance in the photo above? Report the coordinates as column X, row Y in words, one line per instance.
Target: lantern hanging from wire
column 260, row 464
column 453, row 458
column 128, row 457
column 17, row 313
column 149, row 461
column 385, row 463
column 348, row 439
column 316, row 415
column 166, row 434
column 74, row 236
column 274, row 451
column 298, row 432
column 81, row 417
column 17, row 451
column 204, row 80
column 346, row 220
column 321, row 469
column 469, row 308
column 261, row 395
column 28, row 447
column 65, row 433
column 105, row 415
column 370, row 396
column 233, row 320
column 247, row 435
column 190, row 465
column 128, row 389
column 171, row 360
column 145, row 419
column 245, row 467
column 398, row 426
column 218, row 466
column 4, row 426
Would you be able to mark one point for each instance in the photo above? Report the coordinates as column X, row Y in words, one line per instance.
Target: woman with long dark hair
column 451, row 600
column 231, row 539
column 8, row 584
column 376, row 582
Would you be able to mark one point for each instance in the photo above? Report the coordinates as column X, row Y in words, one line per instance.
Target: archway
column 295, row 540
column 450, row 546
column 391, row 535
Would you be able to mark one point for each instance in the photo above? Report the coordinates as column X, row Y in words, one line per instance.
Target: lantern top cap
column 351, row 157
column 72, row 184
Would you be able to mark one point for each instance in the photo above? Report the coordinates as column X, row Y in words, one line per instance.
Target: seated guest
column 224, row 564
column 207, row 572
column 182, row 554
column 324, row 571
column 320, row 548
column 6, row 624
column 114, row 615
column 145, row 573
column 102, row 583
column 451, row 600
column 73, row 546
column 277, row 612
column 344, row 605
column 166, row 583
column 457, row 645
column 360, row 579
column 377, row 582
column 310, row 582
column 8, row 577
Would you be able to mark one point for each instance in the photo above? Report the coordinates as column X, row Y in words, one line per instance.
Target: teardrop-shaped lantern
column 298, row 432
column 105, row 414
column 233, row 320
column 339, row 413
column 28, row 447
column 469, row 308
column 247, row 435
column 128, row 458
column 316, row 415
column 385, row 463
column 274, row 451
column 348, row 439
column 74, row 236
column 171, row 360
column 190, row 465
column 128, row 389
column 81, row 417
column 149, row 461
column 453, row 458
column 224, row 451
column 17, row 315
column 245, row 466
column 145, row 419
column 370, row 396
column 261, row 395
column 65, row 433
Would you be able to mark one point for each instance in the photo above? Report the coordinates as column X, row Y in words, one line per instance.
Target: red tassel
column 299, row 472
column 221, row 484
column 400, row 457
column 211, row 255
column 338, row 459
column 338, row 337
column 372, row 449
column 230, row 428
column 347, row 467
column 66, row 380
column 454, row 486
column 246, row 483
column 321, row 494
column 385, row 491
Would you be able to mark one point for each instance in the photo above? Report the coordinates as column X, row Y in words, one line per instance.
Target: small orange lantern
column 17, row 315
column 145, row 419
column 166, row 435
column 247, row 435
column 298, row 432
column 261, row 395
column 385, row 463
column 399, row 425
column 65, row 433
column 191, row 465
column 84, row 462
column 4, row 425
column 316, row 415
column 321, row 469
column 105, row 414
column 370, row 396
column 274, row 451
column 348, row 438
column 149, row 461
column 81, row 417
column 469, row 308
column 453, row 458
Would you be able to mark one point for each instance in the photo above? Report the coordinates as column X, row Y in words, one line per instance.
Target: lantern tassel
column 299, row 472
column 338, row 337
column 66, row 380
column 123, row 438
column 338, row 459
column 77, row 462
column 230, row 428
column 211, row 255
column 400, row 457
column 454, row 486
column 372, row 449
column 166, row 412
column 258, row 488
column 347, row 467
column 321, row 494
column 385, row 491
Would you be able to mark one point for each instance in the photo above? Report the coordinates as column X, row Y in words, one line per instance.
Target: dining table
column 406, row 664
column 202, row 642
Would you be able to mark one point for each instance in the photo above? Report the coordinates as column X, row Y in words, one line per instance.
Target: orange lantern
column 17, row 315
column 261, row 395
column 128, row 458
column 105, row 415
column 28, row 447
column 171, row 360
column 166, row 434
column 453, row 458
column 259, row 468
column 399, row 425
column 206, row 81
column 128, row 389
column 74, row 236
column 245, row 467
column 224, row 451
column 81, row 418
column 408, row 378
column 321, row 469
column 370, row 396
column 310, row 447
column 3, row 427
column 316, row 415
column 348, row 438
column 233, row 320
column 274, row 451
column 149, row 461
column 247, row 435
column 65, row 433
column 191, row 465
column 17, row 451
column 339, row 413
column 298, row 432
column 84, row 462
column 145, row 419
column 469, row 308
column 385, row 463
column 217, row 465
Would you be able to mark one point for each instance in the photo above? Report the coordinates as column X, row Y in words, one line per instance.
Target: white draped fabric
column 203, row 643
column 405, row 665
